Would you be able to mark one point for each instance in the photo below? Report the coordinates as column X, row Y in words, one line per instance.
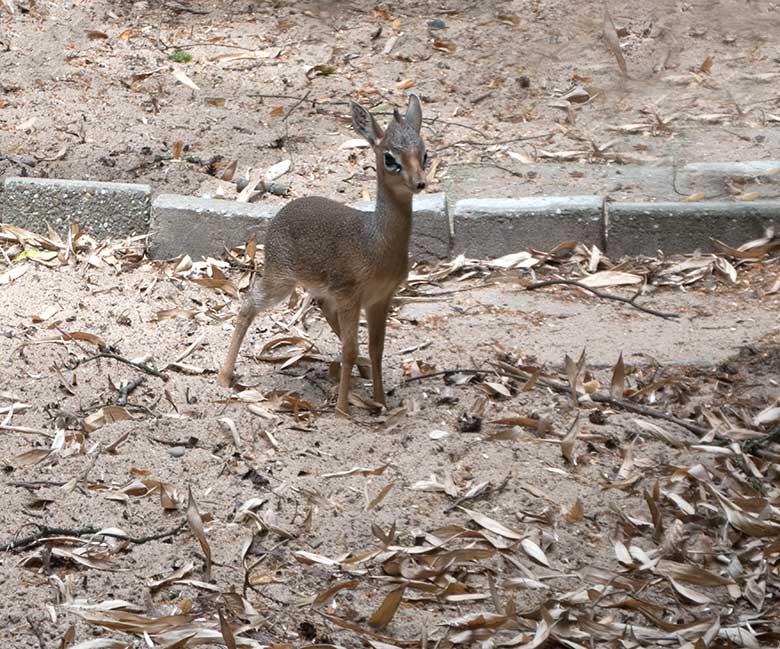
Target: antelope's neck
column 391, row 222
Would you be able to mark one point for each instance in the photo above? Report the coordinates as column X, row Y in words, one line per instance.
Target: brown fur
column 348, row 259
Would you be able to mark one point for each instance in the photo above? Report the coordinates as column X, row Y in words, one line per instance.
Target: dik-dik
column 348, row 259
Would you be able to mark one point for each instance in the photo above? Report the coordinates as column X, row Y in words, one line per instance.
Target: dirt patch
column 459, row 517
column 433, row 520
column 88, row 89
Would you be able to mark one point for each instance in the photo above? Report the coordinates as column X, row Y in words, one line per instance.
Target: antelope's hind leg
column 262, row 297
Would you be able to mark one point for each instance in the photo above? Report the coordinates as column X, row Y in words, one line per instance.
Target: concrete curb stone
column 485, row 227
column 646, row 228
column 202, row 227
column 477, row 227
column 104, row 209
column 713, row 178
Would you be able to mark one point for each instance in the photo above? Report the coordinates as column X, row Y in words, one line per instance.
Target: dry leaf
column 320, row 70
column 613, row 42
column 196, row 526
column 380, row 496
column 329, row 593
column 688, row 593
column 31, row 457
column 617, row 385
column 606, row 278
column 180, row 573
column 492, row 525
column 445, row 46
column 387, row 609
column 569, row 440
column 182, row 78
column 226, row 631
column 576, row 513
column 535, row 552
column 357, row 470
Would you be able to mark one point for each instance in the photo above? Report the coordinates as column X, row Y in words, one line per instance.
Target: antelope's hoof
column 225, row 379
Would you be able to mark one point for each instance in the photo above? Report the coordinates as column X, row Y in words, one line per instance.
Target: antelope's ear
column 365, row 124
column 414, row 113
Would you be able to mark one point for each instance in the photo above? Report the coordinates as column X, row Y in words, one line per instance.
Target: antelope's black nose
column 421, row 185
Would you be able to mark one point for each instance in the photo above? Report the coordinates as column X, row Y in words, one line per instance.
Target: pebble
column 177, row 451
column 437, row 23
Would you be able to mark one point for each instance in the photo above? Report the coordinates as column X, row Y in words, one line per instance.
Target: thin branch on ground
column 452, row 291
column 273, row 96
column 565, row 388
column 127, row 389
column 188, row 46
column 295, row 105
column 517, row 174
column 42, row 533
column 140, row 540
column 36, row 629
column 36, row 484
column 523, row 138
column 448, row 372
column 489, row 492
column 26, row 430
column 143, row 367
column 437, row 120
column 631, row 301
column 46, row 531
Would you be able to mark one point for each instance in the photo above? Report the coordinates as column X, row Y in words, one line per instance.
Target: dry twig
column 45, row 530
column 604, row 296
column 565, row 388
column 143, row 367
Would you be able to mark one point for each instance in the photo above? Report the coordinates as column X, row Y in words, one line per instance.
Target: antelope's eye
column 425, row 159
column 391, row 164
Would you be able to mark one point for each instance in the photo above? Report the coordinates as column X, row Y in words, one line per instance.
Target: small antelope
column 346, row 258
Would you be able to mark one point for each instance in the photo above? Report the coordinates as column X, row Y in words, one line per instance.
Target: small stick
column 604, row 296
column 197, row 343
column 565, row 388
column 512, row 172
column 422, row 377
column 44, row 531
column 127, row 389
column 36, row 629
column 25, row 429
column 490, row 491
column 143, row 367
column 295, row 105
column 523, row 138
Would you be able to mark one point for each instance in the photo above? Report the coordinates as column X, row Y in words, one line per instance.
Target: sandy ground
column 88, row 89
column 261, row 479
column 446, row 526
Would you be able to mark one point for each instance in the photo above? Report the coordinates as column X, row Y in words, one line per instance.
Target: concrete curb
column 476, row 227
column 106, row 209
column 201, row 227
column 646, row 228
column 499, row 226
